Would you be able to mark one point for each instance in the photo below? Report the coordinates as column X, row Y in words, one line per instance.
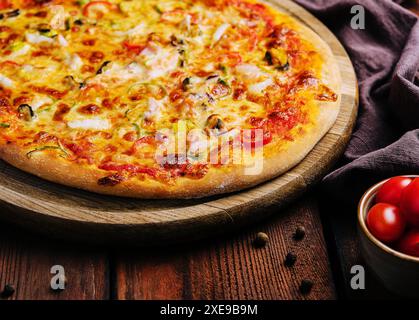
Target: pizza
column 161, row 98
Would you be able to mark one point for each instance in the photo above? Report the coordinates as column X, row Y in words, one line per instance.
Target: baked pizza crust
column 217, row 181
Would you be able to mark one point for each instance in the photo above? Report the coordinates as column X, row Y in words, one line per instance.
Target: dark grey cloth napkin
column 385, row 55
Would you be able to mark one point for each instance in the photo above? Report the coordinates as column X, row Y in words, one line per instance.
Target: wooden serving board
column 70, row 213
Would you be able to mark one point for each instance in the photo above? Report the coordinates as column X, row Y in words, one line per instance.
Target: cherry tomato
column 409, row 204
column 391, row 191
column 386, row 222
column 409, row 244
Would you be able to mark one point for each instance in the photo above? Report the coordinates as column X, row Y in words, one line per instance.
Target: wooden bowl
column 398, row 272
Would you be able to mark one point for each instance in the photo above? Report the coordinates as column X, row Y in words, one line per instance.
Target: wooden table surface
column 227, row 267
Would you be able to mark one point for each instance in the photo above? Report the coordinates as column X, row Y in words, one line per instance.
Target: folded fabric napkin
column 385, row 54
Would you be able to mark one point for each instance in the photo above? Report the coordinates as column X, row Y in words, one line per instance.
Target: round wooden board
column 69, row 213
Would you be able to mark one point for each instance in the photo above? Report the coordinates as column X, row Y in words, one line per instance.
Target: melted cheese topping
column 99, row 79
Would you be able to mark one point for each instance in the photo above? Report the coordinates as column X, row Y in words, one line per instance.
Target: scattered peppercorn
column 299, row 233
column 8, row 291
column 290, row 259
column 306, row 286
column 261, row 240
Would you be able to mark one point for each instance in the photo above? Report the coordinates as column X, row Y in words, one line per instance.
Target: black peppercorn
column 299, row 233
column 8, row 291
column 290, row 259
column 261, row 240
column 306, row 286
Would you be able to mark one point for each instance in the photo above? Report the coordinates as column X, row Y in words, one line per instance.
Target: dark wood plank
column 231, row 267
column 26, row 260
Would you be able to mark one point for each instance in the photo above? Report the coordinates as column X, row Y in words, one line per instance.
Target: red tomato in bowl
column 409, row 203
column 391, row 191
column 409, row 244
column 386, row 222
